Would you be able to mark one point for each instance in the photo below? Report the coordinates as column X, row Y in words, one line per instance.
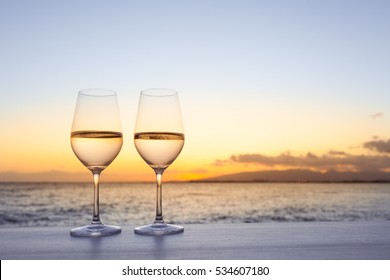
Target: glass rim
column 97, row 92
column 160, row 92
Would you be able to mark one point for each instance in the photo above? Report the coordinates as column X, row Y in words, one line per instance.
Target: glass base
column 158, row 229
column 95, row 230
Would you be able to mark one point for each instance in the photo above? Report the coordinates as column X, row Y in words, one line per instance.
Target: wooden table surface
column 272, row 241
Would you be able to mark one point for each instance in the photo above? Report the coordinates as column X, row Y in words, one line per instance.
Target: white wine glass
column 159, row 139
column 96, row 140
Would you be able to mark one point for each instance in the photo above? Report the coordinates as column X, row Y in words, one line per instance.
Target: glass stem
column 159, row 217
column 96, row 217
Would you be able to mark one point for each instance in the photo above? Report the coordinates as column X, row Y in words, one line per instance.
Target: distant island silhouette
column 301, row 175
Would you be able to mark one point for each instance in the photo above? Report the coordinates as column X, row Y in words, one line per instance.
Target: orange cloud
column 337, row 161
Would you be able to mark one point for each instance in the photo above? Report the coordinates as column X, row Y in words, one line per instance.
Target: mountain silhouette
column 302, row 175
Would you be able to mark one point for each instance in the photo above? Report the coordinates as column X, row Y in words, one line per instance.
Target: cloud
column 337, row 153
column 334, row 160
column 376, row 115
column 380, row 146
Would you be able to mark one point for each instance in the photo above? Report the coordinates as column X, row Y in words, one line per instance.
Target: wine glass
column 159, row 139
column 96, row 140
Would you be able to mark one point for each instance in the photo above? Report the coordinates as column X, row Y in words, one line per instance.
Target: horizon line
column 202, row 181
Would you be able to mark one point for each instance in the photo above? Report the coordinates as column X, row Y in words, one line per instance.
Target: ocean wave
column 71, row 204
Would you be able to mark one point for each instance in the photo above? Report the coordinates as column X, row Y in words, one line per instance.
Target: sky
column 262, row 84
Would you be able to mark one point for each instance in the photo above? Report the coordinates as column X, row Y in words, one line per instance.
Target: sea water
column 70, row 204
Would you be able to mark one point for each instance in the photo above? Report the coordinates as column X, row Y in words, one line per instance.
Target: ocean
column 70, row 204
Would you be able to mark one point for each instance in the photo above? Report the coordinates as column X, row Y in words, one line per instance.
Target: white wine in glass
column 96, row 140
column 159, row 139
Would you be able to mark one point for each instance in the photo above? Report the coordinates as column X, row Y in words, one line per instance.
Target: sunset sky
column 262, row 84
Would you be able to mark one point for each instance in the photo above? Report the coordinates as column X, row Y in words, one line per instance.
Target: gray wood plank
column 272, row 241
